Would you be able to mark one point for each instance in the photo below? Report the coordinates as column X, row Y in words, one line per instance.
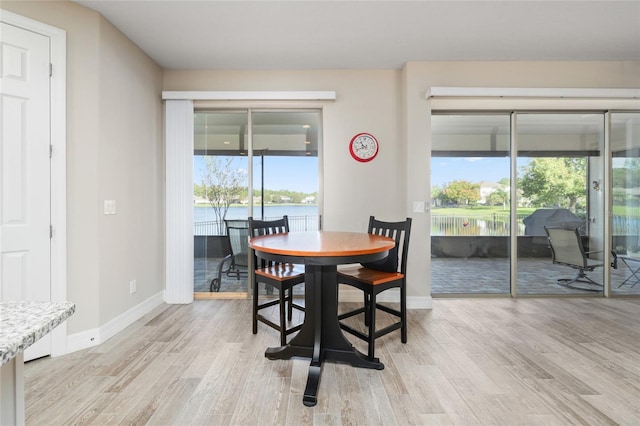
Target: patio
column 535, row 276
column 463, row 276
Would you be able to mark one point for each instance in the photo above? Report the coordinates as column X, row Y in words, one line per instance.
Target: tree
column 436, row 196
column 461, row 192
column 549, row 182
column 222, row 186
column 499, row 197
column 627, row 176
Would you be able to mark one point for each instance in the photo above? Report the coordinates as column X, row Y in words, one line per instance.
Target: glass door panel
column 470, row 219
column 285, row 167
column 285, row 170
column 560, row 175
column 220, row 201
column 625, row 199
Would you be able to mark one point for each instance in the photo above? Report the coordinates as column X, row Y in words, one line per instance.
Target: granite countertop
column 23, row 323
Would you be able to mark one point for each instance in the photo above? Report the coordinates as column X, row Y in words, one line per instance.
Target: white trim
column 58, row 120
column 249, row 95
column 93, row 337
column 531, row 92
column 83, row 340
column 179, row 200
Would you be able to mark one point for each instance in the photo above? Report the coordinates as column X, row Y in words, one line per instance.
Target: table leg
column 12, row 391
column 320, row 337
column 310, row 397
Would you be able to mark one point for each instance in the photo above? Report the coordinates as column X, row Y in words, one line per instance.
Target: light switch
column 418, row 206
column 109, row 206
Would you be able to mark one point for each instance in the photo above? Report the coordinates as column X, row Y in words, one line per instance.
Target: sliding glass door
column 220, row 210
column 560, row 185
column 499, row 182
column 470, row 219
column 285, row 166
column 261, row 163
column 625, row 200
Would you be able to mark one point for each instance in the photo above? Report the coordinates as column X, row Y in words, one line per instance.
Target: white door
column 25, row 272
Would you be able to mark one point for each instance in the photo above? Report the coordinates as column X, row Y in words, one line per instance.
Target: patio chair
column 238, row 259
column 375, row 277
column 567, row 249
column 281, row 276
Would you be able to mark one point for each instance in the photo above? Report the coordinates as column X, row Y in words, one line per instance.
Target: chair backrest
column 238, row 232
column 399, row 231
column 566, row 246
column 267, row 227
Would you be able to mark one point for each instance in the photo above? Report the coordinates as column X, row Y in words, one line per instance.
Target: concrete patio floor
column 535, row 276
column 459, row 276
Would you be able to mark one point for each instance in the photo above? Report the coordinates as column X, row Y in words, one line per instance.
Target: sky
column 472, row 169
column 298, row 174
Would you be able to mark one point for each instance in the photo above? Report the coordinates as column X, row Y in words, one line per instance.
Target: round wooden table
column 320, row 337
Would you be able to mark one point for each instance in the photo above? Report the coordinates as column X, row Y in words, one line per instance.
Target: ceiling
column 370, row 34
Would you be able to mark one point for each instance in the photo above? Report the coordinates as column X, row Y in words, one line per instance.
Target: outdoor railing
column 296, row 223
column 491, row 224
column 497, row 224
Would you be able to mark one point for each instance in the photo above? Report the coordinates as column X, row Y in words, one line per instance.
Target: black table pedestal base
column 320, row 337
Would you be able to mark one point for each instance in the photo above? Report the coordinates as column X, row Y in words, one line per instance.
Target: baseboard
column 391, row 295
column 83, row 340
column 93, row 337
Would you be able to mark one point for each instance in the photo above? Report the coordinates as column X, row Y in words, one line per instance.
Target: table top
column 322, row 243
column 23, row 323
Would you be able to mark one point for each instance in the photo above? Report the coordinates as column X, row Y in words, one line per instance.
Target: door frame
column 58, row 126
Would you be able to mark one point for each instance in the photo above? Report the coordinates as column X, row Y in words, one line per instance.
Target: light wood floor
column 467, row 362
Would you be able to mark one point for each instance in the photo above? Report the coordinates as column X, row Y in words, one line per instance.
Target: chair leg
column 403, row 313
column 255, row 306
column 372, row 325
column 283, row 335
column 290, row 304
column 367, row 302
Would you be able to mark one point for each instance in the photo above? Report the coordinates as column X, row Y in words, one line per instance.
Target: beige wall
column 114, row 151
column 131, row 164
column 392, row 106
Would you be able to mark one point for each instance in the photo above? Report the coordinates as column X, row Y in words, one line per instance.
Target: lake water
column 205, row 214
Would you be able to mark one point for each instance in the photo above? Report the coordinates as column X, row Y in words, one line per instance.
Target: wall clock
column 363, row 147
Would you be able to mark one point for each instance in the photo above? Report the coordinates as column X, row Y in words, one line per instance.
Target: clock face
column 363, row 147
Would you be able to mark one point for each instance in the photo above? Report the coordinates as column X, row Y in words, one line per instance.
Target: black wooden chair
column 374, row 278
column 281, row 276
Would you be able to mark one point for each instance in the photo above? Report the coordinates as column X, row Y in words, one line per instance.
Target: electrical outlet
column 132, row 286
column 109, row 206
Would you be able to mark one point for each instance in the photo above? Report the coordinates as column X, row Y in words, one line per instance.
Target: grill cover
column 534, row 223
